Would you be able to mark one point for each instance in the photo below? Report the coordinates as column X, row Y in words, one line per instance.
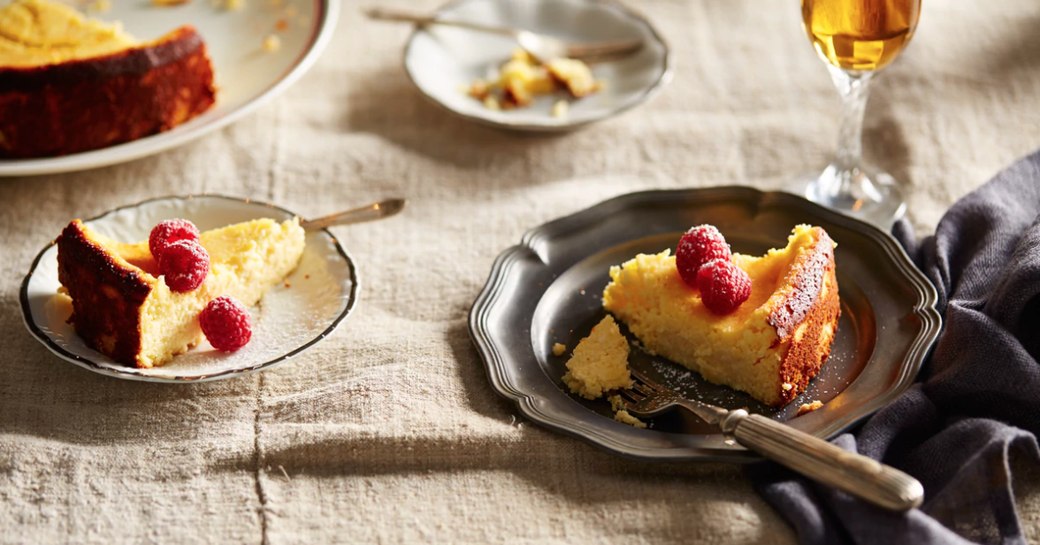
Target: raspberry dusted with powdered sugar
column 724, row 286
column 698, row 246
column 184, row 264
column 225, row 322
column 169, row 231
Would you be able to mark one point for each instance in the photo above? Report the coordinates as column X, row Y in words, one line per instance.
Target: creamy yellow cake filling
column 40, row 32
column 246, row 259
column 668, row 317
column 600, row 362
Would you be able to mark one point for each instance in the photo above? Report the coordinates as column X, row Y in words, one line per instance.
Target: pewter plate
column 548, row 289
column 290, row 318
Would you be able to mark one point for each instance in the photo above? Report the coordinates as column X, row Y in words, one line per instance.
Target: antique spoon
column 369, row 212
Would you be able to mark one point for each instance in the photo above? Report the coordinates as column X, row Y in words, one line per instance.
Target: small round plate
column 442, row 61
column 548, row 289
column 291, row 317
column 246, row 76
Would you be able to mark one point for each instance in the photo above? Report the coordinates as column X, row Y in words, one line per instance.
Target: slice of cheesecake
column 770, row 347
column 71, row 84
column 125, row 310
column 600, row 362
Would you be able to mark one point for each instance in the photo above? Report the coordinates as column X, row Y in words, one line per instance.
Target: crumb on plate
column 560, row 109
column 272, row 43
column 522, row 78
column 622, row 415
column 809, row 407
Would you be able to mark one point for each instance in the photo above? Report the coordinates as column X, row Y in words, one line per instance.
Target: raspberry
column 226, row 324
column 170, row 231
column 724, row 286
column 185, row 264
column 698, row 246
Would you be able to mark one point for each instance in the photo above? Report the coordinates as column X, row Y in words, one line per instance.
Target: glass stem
column 854, row 89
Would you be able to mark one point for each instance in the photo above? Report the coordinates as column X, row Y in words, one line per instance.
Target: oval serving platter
column 314, row 299
column 548, row 290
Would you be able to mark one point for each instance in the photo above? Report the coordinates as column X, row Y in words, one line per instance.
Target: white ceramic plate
column 442, row 61
column 246, row 76
column 288, row 320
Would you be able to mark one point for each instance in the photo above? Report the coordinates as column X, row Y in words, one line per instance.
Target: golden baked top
column 40, row 32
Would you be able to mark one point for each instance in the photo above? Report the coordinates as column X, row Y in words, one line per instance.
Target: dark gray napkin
column 977, row 400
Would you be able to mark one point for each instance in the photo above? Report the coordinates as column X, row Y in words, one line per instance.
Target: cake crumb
column 287, row 284
column 622, row 415
column 560, row 109
column 574, row 75
column 787, row 386
column 600, row 361
column 281, row 25
column 809, row 407
column 306, row 277
column 523, row 78
column 479, row 89
column 100, row 6
column 272, row 43
column 234, row 5
column 492, row 103
column 558, row 349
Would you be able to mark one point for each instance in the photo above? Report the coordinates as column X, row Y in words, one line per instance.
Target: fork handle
column 856, row 474
column 385, row 14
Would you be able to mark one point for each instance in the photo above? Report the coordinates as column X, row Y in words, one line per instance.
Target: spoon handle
column 371, row 212
column 384, row 14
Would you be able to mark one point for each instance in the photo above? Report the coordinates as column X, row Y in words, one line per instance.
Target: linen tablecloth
column 387, row 431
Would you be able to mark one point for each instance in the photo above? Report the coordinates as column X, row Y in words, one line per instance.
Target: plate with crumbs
column 291, row 317
column 548, row 289
column 444, row 62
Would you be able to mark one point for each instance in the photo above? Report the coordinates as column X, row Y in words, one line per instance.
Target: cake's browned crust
column 808, row 317
column 86, row 104
column 106, row 294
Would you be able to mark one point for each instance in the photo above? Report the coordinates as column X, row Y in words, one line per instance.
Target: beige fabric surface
column 387, row 431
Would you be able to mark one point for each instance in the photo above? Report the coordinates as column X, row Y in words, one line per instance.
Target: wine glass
column 857, row 38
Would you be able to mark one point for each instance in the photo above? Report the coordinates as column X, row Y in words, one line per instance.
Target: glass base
column 864, row 193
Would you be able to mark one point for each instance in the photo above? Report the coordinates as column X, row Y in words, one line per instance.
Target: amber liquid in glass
column 860, row 34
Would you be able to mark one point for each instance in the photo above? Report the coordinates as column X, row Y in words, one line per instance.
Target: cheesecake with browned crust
column 123, row 308
column 771, row 346
column 70, row 84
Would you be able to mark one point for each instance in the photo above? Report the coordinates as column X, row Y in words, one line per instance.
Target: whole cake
column 124, row 308
column 769, row 346
column 70, row 84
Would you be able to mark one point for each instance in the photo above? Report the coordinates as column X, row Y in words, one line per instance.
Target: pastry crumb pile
column 522, row 78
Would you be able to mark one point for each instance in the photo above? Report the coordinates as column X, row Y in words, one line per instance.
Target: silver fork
column 540, row 46
column 813, row 457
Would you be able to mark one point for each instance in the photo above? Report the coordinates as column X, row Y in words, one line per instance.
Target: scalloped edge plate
column 511, row 320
